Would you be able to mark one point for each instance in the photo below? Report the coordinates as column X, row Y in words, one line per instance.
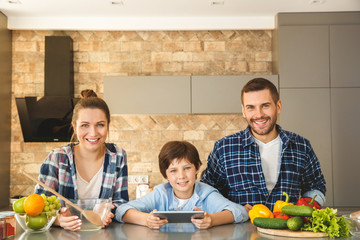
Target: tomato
column 36, row 222
column 281, row 215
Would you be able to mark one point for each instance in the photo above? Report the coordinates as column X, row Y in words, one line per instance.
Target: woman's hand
column 109, row 218
column 154, row 222
column 67, row 221
column 203, row 223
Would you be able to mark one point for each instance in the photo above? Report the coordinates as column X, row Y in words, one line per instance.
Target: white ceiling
column 158, row 14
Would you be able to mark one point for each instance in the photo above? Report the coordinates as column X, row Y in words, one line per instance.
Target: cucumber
column 295, row 223
column 276, row 223
column 297, row 210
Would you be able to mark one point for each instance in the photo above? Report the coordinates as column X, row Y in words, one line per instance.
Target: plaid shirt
column 234, row 168
column 58, row 172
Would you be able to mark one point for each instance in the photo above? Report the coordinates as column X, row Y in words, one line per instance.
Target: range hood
column 48, row 119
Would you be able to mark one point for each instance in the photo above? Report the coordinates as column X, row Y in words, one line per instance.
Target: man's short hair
column 258, row 84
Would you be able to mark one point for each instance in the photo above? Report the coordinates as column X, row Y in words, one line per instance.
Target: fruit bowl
column 100, row 206
column 40, row 223
column 36, row 213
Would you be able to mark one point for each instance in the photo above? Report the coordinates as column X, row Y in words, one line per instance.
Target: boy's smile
column 182, row 176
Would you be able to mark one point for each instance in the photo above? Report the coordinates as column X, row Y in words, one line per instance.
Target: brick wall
column 118, row 53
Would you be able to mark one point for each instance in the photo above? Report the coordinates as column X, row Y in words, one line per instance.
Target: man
column 258, row 164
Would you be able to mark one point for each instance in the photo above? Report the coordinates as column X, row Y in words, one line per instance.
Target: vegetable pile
column 307, row 215
column 326, row 221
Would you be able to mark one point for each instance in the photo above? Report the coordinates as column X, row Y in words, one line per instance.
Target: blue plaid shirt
column 58, row 172
column 234, row 168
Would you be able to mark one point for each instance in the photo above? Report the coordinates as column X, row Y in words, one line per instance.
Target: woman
column 90, row 168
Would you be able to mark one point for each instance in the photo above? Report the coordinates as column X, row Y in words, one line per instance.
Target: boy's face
column 182, row 176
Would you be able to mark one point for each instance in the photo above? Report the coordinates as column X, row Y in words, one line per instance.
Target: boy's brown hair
column 177, row 150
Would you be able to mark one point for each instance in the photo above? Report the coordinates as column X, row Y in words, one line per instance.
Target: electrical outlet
column 136, row 179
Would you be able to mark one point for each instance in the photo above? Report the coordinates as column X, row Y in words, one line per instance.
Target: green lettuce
column 326, row 221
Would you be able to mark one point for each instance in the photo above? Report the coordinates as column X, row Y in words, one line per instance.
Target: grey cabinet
column 344, row 55
column 176, row 94
column 306, row 111
column 148, row 95
column 220, row 94
column 345, row 145
column 317, row 59
column 304, row 56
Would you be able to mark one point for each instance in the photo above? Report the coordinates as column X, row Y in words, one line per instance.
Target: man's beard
column 262, row 131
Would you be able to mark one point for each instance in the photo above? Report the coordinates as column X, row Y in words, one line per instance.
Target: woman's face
column 91, row 128
column 182, row 176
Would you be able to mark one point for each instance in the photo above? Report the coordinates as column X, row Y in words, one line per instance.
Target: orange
column 34, row 204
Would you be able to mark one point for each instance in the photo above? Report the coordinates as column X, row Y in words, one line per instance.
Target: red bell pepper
column 281, row 215
column 309, row 202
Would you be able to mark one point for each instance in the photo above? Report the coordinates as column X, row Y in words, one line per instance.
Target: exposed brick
column 236, row 66
column 173, row 46
column 263, row 56
column 172, row 67
column 257, row 67
column 130, row 46
column 182, row 57
column 89, row 67
column 95, row 57
column 214, row 46
column 25, row 46
column 193, row 46
column 161, row 56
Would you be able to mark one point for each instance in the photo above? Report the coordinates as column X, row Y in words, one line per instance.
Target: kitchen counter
column 116, row 230
column 171, row 231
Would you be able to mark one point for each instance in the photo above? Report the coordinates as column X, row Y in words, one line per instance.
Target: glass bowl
column 40, row 223
column 100, row 206
column 353, row 225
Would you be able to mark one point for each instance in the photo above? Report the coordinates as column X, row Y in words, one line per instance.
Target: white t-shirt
column 181, row 203
column 92, row 188
column 270, row 159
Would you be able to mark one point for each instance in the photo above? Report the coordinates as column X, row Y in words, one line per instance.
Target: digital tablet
column 179, row 216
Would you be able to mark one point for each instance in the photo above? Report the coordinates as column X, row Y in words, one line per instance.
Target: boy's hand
column 204, row 223
column 154, row 222
column 247, row 207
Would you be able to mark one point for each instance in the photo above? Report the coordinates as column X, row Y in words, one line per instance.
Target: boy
column 179, row 163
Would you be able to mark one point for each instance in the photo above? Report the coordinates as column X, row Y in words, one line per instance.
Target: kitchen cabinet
column 316, row 58
column 176, row 94
column 306, row 111
column 344, row 57
column 345, row 143
column 304, row 60
column 5, row 113
column 148, row 94
column 220, row 94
